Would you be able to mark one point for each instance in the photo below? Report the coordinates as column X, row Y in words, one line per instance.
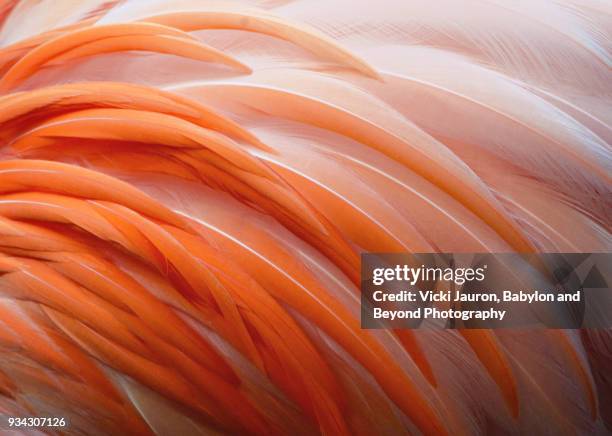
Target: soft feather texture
column 186, row 187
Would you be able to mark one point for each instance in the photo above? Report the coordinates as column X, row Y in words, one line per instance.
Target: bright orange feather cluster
column 186, row 188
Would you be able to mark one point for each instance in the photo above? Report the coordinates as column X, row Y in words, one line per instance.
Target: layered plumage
column 186, row 187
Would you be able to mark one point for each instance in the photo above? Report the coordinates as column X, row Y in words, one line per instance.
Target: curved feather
column 147, row 36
